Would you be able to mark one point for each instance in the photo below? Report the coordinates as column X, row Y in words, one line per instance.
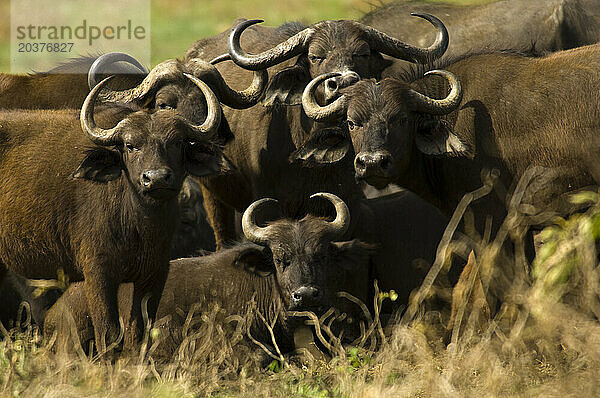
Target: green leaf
column 543, row 254
column 275, row 366
column 584, row 197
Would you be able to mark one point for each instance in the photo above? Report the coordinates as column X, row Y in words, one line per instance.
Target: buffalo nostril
column 146, row 180
column 158, row 178
column 360, row 163
column 306, row 295
column 385, row 163
column 331, row 85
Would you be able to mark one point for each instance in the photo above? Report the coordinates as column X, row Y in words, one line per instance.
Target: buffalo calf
column 291, row 266
column 297, row 266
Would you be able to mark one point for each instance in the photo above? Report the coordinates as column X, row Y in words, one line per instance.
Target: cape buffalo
column 294, row 265
column 109, row 218
column 511, row 112
column 351, row 48
column 533, row 26
column 66, row 86
column 278, row 152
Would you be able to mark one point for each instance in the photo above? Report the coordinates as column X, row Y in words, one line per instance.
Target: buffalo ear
column 323, row 147
column 206, row 160
column 100, row 165
column 377, row 64
column 436, row 137
column 255, row 260
column 286, row 86
column 224, row 134
column 352, row 254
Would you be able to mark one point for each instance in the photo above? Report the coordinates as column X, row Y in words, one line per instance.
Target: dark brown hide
column 63, row 87
column 107, row 225
column 278, row 152
column 295, row 254
column 516, row 112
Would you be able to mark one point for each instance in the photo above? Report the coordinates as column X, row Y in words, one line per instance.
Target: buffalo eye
column 315, row 58
column 283, row 262
column 164, row 105
column 130, row 147
column 352, row 124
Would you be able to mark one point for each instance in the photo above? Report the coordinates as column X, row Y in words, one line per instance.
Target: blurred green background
column 176, row 24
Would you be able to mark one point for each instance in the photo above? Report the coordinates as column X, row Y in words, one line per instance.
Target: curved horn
column 220, row 58
column 393, row 47
column 252, row 231
column 213, row 110
column 339, row 226
column 322, row 113
column 293, row 46
column 104, row 60
column 98, row 135
column 228, row 96
column 423, row 103
column 166, row 70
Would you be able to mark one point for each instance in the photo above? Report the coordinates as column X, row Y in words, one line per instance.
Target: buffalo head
column 309, row 261
column 350, row 48
column 153, row 149
column 388, row 121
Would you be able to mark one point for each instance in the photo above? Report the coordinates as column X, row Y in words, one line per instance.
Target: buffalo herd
column 237, row 174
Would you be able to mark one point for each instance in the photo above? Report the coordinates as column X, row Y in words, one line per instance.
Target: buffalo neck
column 422, row 176
column 152, row 222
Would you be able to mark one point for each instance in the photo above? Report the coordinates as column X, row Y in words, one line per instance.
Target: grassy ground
column 177, row 24
column 543, row 341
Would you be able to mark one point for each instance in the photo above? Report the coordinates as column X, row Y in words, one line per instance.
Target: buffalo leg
column 71, row 309
column 153, row 287
column 101, row 294
column 3, row 313
column 3, row 272
column 221, row 218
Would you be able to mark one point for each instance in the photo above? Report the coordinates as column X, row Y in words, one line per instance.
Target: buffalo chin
column 161, row 194
column 379, row 182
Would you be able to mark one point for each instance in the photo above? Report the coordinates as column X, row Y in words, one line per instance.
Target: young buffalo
column 290, row 266
column 109, row 218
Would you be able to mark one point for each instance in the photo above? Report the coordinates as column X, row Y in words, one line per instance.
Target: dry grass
column 543, row 340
